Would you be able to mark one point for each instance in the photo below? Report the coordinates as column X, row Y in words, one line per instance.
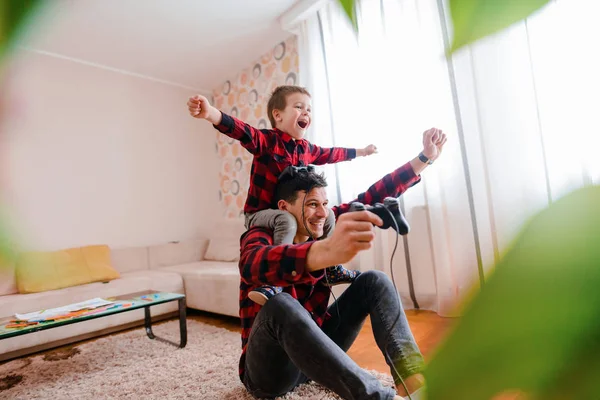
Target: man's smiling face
column 315, row 213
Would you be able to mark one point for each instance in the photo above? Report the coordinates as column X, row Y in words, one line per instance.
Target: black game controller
column 389, row 212
column 291, row 171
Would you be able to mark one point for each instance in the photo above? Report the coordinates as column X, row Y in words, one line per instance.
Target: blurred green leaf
column 535, row 326
column 12, row 15
column 349, row 7
column 7, row 245
column 475, row 19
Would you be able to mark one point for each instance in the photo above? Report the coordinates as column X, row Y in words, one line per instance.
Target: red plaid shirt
column 273, row 151
column 261, row 263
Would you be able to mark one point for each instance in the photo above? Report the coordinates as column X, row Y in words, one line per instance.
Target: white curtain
column 518, row 108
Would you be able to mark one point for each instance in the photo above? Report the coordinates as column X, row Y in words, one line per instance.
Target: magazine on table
column 58, row 311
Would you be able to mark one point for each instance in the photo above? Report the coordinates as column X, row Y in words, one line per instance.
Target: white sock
column 419, row 394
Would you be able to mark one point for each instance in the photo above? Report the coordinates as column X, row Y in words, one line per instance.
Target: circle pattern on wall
column 226, row 88
column 279, row 51
column 235, row 188
column 253, row 98
column 256, row 71
column 291, row 79
column 246, row 98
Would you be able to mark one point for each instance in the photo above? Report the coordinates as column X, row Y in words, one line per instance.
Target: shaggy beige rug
column 131, row 366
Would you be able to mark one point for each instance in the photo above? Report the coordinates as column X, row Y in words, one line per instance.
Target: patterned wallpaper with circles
column 246, row 97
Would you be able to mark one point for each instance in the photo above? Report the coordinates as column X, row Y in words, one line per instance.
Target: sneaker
column 262, row 294
column 338, row 274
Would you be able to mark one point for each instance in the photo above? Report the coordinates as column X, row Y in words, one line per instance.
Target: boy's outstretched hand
column 367, row 151
column 200, row 107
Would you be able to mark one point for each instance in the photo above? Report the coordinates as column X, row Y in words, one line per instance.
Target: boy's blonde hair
column 278, row 99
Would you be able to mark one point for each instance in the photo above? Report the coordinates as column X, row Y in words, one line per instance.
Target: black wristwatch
column 425, row 159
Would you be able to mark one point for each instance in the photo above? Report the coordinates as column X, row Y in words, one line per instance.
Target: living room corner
column 111, row 189
column 116, row 196
column 126, row 266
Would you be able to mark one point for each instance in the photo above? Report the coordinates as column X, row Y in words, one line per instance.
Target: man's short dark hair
column 289, row 185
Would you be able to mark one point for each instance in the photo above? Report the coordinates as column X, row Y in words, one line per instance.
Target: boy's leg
column 284, row 229
column 262, row 294
column 282, row 223
column 286, row 348
column 373, row 294
column 338, row 274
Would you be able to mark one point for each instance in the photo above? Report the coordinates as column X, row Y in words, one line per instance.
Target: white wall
column 95, row 156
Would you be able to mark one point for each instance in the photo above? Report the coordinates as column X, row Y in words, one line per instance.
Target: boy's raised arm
column 252, row 139
column 331, row 155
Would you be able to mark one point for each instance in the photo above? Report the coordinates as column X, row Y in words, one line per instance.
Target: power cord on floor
column 387, row 356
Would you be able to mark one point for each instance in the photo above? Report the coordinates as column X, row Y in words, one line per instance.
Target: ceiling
column 192, row 43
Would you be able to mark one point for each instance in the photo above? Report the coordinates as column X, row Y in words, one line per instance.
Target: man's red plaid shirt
column 274, row 150
column 261, row 263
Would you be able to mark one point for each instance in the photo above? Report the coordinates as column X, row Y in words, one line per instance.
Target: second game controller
column 389, row 212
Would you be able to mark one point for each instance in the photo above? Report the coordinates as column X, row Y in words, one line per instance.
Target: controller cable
column 387, row 356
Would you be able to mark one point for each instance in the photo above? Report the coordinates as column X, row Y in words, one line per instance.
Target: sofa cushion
column 41, row 271
column 159, row 280
column 214, row 289
column 223, row 249
column 204, row 265
column 176, row 253
column 130, row 259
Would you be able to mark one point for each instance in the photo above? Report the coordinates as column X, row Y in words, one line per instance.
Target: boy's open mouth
column 302, row 124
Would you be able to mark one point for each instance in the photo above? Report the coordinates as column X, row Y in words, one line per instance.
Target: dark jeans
column 287, row 348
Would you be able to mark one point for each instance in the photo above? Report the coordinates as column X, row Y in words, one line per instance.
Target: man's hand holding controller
column 354, row 233
column 389, row 212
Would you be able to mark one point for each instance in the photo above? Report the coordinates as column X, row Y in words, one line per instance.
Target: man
column 295, row 337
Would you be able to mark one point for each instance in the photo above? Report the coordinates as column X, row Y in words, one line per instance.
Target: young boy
column 289, row 111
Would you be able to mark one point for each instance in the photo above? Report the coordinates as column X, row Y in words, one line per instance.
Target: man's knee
column 374, row 277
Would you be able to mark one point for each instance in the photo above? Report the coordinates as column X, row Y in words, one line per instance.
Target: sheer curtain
column 518, row 108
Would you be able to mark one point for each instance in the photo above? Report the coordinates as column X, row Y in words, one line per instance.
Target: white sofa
column 177, row 267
